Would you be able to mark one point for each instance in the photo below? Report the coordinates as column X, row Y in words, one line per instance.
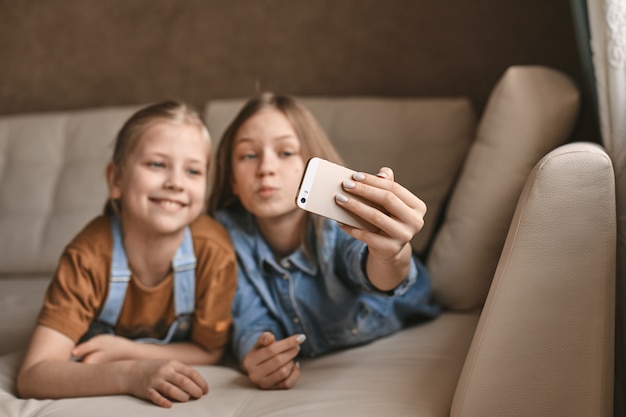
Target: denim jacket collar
column 246, row 229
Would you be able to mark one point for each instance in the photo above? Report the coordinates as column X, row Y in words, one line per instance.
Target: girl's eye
column 286, row 154
column 192, row 171
column 249, row 155
column 156, row 164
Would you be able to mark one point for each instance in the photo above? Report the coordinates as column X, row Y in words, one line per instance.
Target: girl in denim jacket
column 306, row 284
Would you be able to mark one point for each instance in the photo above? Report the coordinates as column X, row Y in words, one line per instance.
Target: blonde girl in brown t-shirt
column 95, row 337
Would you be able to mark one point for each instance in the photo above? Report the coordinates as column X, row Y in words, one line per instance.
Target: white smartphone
column 320, row 184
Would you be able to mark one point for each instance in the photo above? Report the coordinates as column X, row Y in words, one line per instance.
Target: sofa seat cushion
column 411, row 373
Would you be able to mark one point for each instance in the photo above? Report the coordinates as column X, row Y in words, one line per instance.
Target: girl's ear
column 113, row 178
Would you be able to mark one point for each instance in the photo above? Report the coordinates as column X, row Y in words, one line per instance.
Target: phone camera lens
column 303, row 200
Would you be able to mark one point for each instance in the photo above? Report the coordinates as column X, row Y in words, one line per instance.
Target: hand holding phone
column 320, row 184
column 389, row 248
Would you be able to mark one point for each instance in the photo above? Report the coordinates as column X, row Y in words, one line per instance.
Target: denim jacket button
column 296, row 320
column 285, row 277
column 354, row 332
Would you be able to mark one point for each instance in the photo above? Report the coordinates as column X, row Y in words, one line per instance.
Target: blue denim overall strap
column 118, row 281
column 184, row 268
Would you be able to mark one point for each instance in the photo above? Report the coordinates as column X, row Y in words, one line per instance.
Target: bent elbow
column 22, row 387
column 25, row 385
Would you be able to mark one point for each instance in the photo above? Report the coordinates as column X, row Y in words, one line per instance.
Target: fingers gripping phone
column 320, row 183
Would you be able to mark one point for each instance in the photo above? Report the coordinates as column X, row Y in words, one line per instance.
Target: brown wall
column 67, row 54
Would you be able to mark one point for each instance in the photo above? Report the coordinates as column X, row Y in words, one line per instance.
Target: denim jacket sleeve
column 351, row 255
column 250, row 318
column 251, row 314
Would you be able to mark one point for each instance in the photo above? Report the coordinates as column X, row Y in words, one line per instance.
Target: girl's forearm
column 60, row 379
column 185, row 352
column 388, row 274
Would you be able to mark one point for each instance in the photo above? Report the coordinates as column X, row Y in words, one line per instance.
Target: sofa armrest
column 545, row 340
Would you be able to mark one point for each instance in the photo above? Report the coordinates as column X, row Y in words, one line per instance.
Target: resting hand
column 270, row 363
column 163, row 381
column 104, row 348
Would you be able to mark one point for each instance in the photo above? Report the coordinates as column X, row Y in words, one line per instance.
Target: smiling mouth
column 168, row 204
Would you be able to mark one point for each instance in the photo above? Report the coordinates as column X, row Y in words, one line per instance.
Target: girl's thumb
column 267, row 338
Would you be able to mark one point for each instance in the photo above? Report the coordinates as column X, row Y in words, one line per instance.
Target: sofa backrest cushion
column 423, row 140
column 531, row 111
column 51, row 182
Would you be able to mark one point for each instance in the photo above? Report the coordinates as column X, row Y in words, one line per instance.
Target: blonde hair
column 171, row 111
column 313, row 142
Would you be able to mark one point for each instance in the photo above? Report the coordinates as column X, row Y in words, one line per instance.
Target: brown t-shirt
column 80, row 287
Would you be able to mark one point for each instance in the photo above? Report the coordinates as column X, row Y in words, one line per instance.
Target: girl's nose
column 268, row 164
column 174, row 180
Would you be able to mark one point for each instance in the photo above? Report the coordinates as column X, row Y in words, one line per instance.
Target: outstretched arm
column 48, row 372
column 399, row 216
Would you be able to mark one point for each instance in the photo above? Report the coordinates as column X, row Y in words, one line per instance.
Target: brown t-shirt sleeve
column 216, row 282
column 79, row 285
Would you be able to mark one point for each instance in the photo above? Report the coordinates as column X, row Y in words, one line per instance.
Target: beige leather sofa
column 520, row 239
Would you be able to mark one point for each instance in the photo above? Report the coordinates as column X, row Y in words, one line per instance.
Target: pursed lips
column 266, row 189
